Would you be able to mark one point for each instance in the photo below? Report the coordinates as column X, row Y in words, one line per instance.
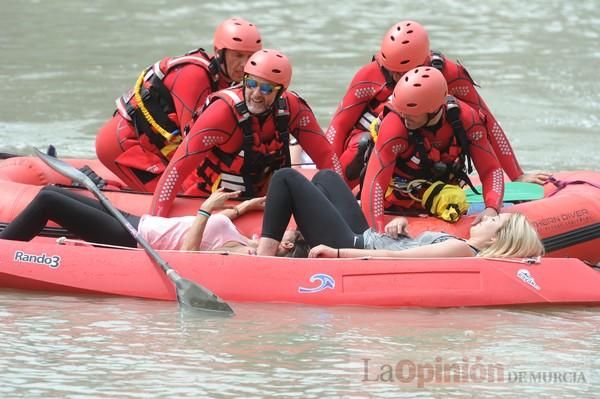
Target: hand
column 396, row 227
column 486, row 212
column 254, row 204
column 217, row 199
column 322, row 251
column 536, row 177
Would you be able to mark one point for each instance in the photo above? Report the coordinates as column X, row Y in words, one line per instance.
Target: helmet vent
column 425, row 76
column 411, row 105
column 237, row 39
column 417, row 85
column 253, row 63
column 406, row 42
column 410, row 31
column 276, row 70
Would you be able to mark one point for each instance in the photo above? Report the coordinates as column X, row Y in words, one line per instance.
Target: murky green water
column 63, row 64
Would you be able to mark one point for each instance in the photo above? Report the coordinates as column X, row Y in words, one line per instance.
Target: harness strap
column 212, row 65
column 453, row 117
column 437, row 60
column 389, row 80
column 255, row 164
column 282, row 126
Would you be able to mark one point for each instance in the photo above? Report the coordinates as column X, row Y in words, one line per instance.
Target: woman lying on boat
column 331, row 221
column 89, row 220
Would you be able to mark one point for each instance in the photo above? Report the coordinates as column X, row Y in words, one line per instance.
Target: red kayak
column 75, row 269
column 567, row 218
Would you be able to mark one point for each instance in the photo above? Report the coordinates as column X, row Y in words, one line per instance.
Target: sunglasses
column 265, row 88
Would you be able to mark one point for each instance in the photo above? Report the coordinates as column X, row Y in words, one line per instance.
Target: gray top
column 374, row 240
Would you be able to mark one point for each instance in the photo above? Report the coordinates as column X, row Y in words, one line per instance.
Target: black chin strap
column 223, row 63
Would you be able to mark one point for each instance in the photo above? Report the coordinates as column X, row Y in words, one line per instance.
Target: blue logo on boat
column 524, row 275
column 52, row 261
column 325, row 281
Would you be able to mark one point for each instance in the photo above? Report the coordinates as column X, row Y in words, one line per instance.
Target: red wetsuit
column 122, row 143
column 362, row 102
column 461, row 86
column 370, row 88
column 217, row 134
column 396, row 156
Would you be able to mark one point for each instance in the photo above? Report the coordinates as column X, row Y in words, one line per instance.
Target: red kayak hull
column 74, row 269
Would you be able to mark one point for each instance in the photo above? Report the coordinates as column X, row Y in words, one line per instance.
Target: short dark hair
column 300, row 250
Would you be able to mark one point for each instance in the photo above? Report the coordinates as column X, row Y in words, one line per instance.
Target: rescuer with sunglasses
column 242, row 136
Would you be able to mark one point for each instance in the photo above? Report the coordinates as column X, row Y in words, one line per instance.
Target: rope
column 64, row 240
column 528, row 261
column 560, row 184
column 138, row 98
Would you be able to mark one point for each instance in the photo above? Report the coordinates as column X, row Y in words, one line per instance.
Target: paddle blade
column 65, row 169
column 192, row 295
column 513, row 191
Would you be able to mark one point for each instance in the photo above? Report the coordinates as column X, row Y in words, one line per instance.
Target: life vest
column 428, row 163
column 248, row 170
column 149, row 105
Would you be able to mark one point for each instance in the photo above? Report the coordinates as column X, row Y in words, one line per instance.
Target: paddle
column 513, row 191
column 189, row 294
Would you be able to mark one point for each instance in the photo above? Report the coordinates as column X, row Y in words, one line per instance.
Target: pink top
column 168, row 233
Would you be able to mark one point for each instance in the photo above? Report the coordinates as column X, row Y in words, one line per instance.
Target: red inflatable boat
column 568, row 219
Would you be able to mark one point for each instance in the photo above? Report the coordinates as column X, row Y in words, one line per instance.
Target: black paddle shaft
column 188, row 292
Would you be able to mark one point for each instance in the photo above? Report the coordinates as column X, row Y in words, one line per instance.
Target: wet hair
column 517, row 238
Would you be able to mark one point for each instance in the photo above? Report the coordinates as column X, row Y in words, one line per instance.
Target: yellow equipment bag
column 446, row 201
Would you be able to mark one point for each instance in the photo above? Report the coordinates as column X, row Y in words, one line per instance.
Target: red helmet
column 404, row 47
column 237, row 34
column 422, row 90
column 270, row 65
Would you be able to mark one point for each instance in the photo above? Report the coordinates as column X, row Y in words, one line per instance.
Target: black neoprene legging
column 325, row 210
column 80, row 215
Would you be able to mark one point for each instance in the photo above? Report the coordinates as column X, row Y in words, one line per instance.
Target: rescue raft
column 568, row 219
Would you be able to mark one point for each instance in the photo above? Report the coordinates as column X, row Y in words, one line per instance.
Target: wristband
column 203, row 213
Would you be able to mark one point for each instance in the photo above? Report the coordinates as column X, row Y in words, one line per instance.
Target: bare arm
column 193, row 237
column 446, row 249
column 254, row 204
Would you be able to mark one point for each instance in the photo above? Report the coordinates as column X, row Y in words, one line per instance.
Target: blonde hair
column 517, row 238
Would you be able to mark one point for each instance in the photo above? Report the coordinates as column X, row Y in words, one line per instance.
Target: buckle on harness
column 437, row 61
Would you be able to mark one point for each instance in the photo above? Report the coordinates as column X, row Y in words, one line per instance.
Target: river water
column 63, row 64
